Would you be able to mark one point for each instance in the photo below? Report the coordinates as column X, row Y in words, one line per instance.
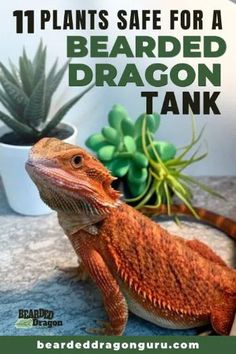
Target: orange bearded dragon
column 136, row 264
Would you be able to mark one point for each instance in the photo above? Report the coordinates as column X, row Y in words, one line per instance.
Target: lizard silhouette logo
column 28, row 318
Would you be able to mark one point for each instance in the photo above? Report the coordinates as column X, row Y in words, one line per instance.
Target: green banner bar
column 89, row 345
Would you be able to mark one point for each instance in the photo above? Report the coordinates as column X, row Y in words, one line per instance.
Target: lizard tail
column 223, row 223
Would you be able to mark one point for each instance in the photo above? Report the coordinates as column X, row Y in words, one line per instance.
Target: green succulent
column 26, row 93
column 153, row 170
column 119, row 146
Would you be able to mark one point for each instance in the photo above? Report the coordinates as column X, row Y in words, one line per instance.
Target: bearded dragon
column 136, row 264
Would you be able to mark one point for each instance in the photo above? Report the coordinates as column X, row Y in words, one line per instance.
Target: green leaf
column 187, row 202
column 18, row 127
column 38, row 54
column 28, row 63
column 52, row 83
column 52, row 71
column 95, row 142
column 157, row 121
column 121, row 108
column 152, row 123
column 203, row 186
column 137, row 189
column 9, row 75
column 39, row 66
column 106, row 153
column 129, row 143
column 143, row 193
column 116, row 115
column 193, row 142
column 139, row 125
column 5, row 100
column 35, row 109
column 108, row 165
column 127, row 127
column 111, row 135
column 56, row 79
column 63, row 110
column 148, row 195
column 140, row 160
column 120, row 167
column 139, row 143
column 26, row 77
column 167, row 197
column 165, row 150
column 15, row 73
column 137, row 175
column 16, row 95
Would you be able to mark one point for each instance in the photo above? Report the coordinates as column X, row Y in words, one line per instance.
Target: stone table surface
column 32, row 247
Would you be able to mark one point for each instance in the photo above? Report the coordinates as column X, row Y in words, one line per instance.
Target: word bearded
column 156, row 74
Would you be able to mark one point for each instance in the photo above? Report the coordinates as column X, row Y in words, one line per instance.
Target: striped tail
column 221, row 222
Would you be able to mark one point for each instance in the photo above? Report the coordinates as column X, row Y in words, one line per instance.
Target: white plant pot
column 22, row 194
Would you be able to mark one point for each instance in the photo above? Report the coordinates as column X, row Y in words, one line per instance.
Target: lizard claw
column 206, row 333
column 96, row 330
column 104, row 329
column 77, row 273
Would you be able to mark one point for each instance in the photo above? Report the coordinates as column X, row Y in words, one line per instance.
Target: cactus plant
column 26, row 94
column 119, row 146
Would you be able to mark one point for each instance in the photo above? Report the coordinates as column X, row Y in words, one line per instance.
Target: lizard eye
column 76, row 161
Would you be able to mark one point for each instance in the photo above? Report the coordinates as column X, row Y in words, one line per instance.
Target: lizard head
column 71, row 180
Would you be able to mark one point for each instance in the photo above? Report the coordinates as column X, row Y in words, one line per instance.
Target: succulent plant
column 27, row 93
column 152, row 168
column 119, row 146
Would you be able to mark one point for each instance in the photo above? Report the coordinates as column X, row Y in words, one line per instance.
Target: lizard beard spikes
column 69, row 205
column 105, row 179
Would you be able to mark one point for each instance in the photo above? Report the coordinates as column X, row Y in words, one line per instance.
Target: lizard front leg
column 114, row 301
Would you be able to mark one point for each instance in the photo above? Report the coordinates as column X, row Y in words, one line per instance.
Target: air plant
column 166, row 178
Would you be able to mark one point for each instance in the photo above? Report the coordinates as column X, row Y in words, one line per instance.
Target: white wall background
column 91, row 113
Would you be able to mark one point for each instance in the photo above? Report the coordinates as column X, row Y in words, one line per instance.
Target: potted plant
column 26, row 93
column 150, row 171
